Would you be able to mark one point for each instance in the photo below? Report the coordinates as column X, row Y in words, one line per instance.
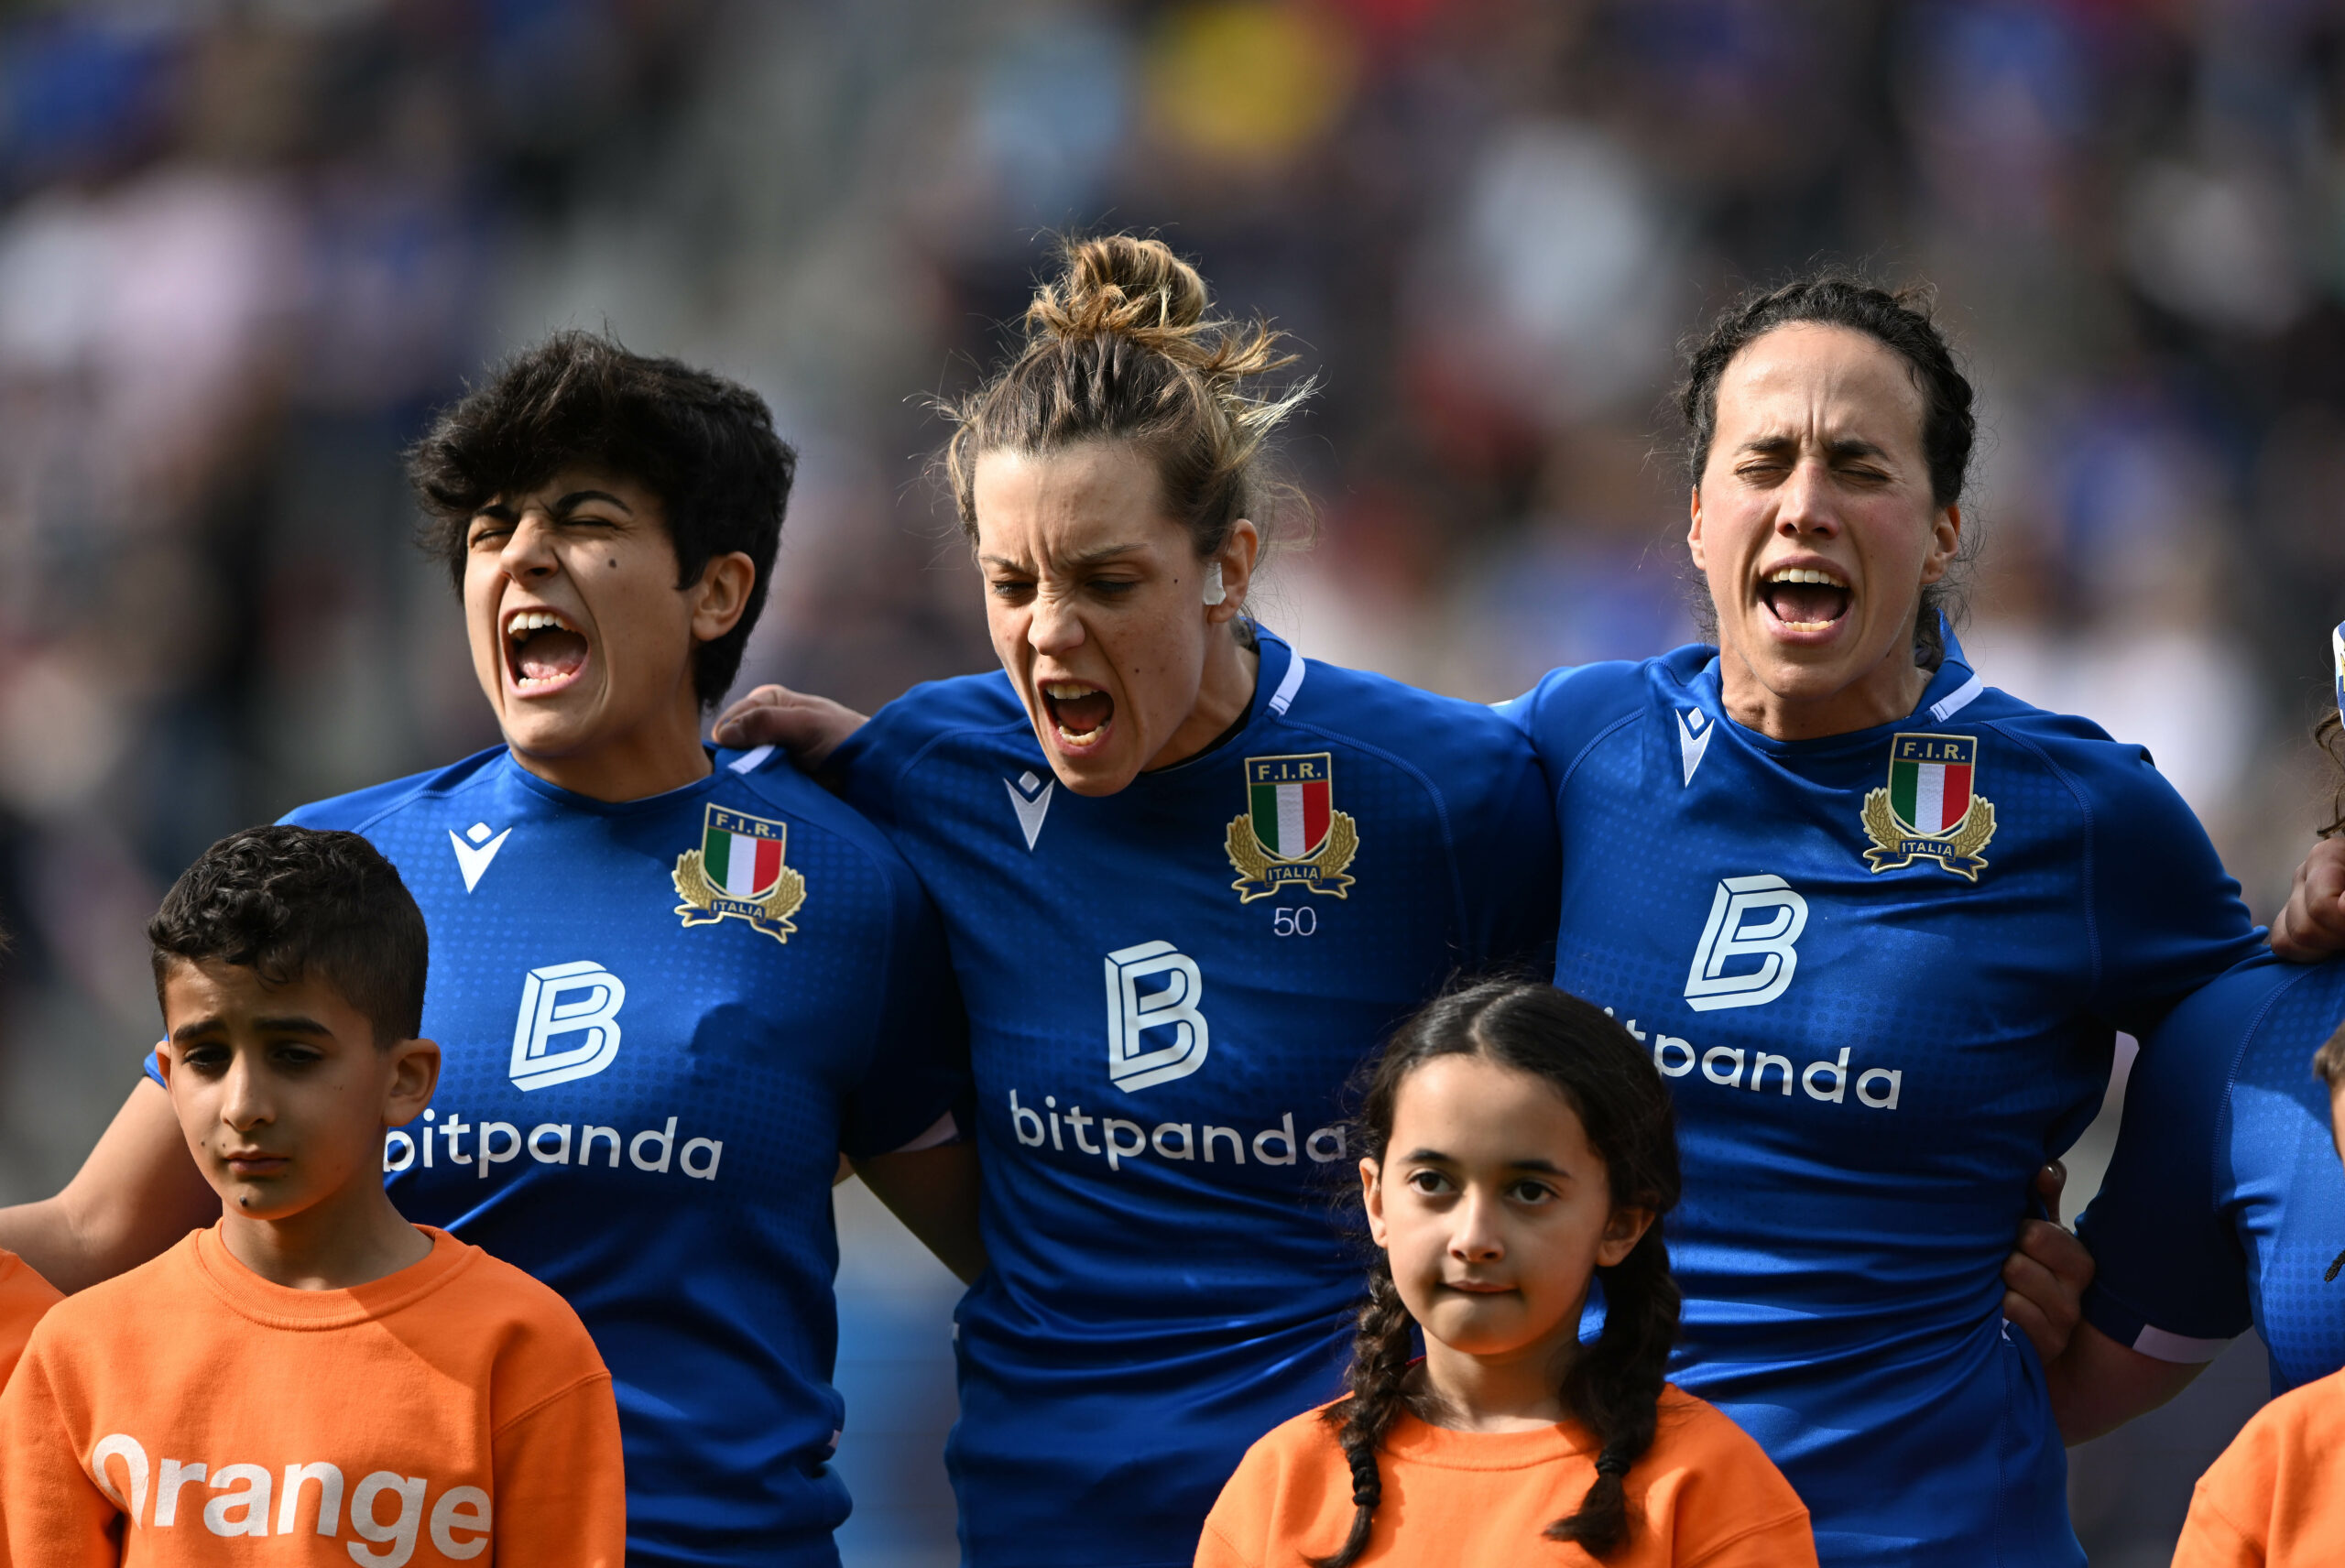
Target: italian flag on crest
column 1929, row 781
column 742, row 854
column 1292, row 800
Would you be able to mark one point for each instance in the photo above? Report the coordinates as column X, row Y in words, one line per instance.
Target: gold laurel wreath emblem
column 699, row 898
column 1960, row 852
column 1252, row 861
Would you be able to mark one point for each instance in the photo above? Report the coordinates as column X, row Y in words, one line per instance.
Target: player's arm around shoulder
column 1727, row 1504
column 51, row 1509
column 561, row 1484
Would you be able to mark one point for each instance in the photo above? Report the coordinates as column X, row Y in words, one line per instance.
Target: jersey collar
column 1954, row 687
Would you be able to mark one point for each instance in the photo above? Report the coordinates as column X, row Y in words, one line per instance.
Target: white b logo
column 1131, row 1015
column 1733, row 933
column 552, row 1005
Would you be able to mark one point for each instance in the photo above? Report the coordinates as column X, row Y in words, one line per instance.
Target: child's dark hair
column 1613, row 1386
column 289, row 902
column 704, row 445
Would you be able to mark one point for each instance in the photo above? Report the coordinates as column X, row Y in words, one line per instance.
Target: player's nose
column 1804, row 505
column 529, row 553
column 1475, row 1237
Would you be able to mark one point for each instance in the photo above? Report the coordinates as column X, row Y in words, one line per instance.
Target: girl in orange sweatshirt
column 1518, row 1144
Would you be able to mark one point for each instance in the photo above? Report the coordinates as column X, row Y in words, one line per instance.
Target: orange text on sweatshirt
column 191, row 1412
column 1703, row 1493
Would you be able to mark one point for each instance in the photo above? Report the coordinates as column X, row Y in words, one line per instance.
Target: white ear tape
column 1214, row 592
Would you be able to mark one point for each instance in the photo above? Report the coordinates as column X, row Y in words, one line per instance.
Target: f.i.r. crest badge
column 1929, row 811
column 1291, row 836
column 737, row 871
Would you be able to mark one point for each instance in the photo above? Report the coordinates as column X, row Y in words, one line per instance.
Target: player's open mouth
column 543, row 652
column 1806, row 600
column 1080, row 713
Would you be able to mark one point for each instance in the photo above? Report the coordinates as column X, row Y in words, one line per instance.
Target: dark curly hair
column 292, row 902
column 1613, row 1386
column 1899, row 320
column 704, row 445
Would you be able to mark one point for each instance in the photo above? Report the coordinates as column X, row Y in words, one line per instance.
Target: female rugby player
column 670, row 988
column 1189, row 879
column 1877, row 924
column 2223, row 1206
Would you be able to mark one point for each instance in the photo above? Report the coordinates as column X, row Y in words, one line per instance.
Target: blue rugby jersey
column 1167, row 988
column 2224, row 1203
column 1881, row 972
column 646, row 1089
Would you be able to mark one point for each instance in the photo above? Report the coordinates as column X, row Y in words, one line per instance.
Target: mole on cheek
column 611, row 563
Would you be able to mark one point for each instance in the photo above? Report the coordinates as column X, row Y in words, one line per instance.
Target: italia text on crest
column 738, row 872
column 1291, row 836
column 1929, row 810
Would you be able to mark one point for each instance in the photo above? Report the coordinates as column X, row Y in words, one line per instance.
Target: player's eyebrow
column 1088, row 557
column 502, row 511
column 1837, row 447
column 288, row 1023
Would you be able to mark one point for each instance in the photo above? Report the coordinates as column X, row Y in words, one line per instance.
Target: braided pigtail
column 1614, row 1387
column 1377, row 1380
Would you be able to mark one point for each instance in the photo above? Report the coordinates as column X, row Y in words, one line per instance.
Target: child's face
column 280, row 1089
column 1493, row 1210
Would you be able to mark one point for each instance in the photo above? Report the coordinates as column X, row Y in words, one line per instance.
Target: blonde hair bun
column 1128, row 287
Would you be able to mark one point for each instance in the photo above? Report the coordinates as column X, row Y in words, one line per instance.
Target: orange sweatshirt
column 1704, row 1493
column 2273, row 1497
column 191, row 1413
column 24, row 1297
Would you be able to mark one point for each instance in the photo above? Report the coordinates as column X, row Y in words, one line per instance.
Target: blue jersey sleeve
column 1511, row 860
column 919, row 1058
column 2171, row 1277
column 2166, row 917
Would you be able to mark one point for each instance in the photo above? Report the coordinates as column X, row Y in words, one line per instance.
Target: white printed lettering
column 1116, row 1151
column 1076, row 1122
column 365, row 1519
column 714, row 1149
column 561, row 1155
column 250, row 1505
column 465, row 1508
column 1718, row 1054
column 289, row 1506
column 1311, row 1145
column 1188, row 1141
column 1894, row 1078
column 403, row 1146
column 489, row 1157
column 1662, row 1046
column 1840, row 1073
column 1765, row 1060
column 1236, row 1143
column 1283, row 1132
column 1019, row 1117
column 666, row 1140
column 122, row 1446
column 586, row 1144
column 175, row 1476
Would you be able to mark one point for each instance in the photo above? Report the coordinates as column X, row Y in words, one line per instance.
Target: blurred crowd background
column 246, row 248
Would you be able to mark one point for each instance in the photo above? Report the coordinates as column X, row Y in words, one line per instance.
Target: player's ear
column 163, row 1062
column 1693, row 528
column 1622, row 1233
column 722, row 595
column 1371, row 1193
column 415, row 1074
column 1236, row 558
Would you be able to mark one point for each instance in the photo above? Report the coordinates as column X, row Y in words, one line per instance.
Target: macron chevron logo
column 473, row 856
column 1031, row 797
column 1694, row 732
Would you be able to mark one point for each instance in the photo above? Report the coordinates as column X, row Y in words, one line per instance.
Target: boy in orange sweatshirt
column 314, row 1367
column 2274, row 1499
column 24, row 1294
